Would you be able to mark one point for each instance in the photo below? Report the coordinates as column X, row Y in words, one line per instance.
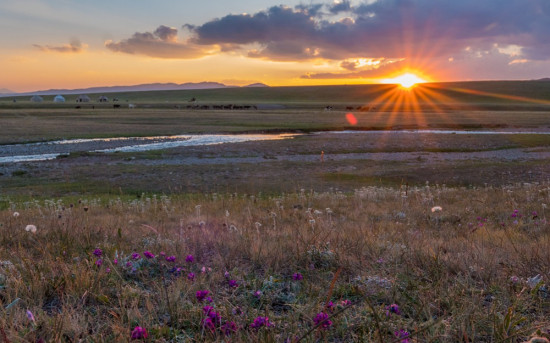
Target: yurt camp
column 36, row 98
column 58, row 98
column 83, row 98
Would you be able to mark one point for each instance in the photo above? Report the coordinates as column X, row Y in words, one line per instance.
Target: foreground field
column 428, row 264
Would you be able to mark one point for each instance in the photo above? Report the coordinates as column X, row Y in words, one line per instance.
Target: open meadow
column 361, row 225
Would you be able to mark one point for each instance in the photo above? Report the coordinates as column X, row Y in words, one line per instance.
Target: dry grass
column 452, row 273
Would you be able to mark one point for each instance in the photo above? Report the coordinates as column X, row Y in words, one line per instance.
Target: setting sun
column 406, row 80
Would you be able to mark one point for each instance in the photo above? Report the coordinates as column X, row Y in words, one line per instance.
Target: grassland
column 465, row 273
column 391, row 238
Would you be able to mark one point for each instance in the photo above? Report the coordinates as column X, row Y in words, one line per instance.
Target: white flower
column 436, row 209
column 30, row 228
column 16, row 214
column 533, row 281
column 258, row 225
column 226, row 213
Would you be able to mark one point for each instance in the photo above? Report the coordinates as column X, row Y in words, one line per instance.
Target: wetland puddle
column 50, row 150
column 447, row 132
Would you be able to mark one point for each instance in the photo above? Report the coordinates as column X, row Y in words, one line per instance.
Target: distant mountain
column 135, row 88
column 6, row 91
column 544, row 79
column 258, row 84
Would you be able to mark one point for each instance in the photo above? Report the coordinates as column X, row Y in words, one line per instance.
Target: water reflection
column 50, row 150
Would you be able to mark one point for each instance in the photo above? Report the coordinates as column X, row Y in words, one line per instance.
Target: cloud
column 390, row 28
column 162, row 43
column 342, row 31
column 75, row 46
column 361, row 68
column 343, row 6
column 167, row 34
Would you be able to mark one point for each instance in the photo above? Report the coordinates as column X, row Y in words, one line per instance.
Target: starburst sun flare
column 406, row 80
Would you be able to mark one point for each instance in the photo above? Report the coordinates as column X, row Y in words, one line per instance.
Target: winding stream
column 50, row 150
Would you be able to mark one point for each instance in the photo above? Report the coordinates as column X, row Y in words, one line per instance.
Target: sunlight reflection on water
column 134, row 144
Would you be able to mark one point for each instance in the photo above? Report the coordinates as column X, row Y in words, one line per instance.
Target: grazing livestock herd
column 194, row 105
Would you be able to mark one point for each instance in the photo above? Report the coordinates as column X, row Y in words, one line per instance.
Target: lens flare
column 351, row 119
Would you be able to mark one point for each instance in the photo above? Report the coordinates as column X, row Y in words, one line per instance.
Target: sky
column 77, row 44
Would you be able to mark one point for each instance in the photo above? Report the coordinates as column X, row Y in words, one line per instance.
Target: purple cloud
column 162, row 43
column 392, row 29
column 75, row 46
column 344, row 6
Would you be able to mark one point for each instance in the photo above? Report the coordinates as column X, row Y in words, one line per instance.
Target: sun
column 406, row 80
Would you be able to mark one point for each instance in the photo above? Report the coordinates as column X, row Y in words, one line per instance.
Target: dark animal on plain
column 77, row 107
column 349, row 108
column 193, row 99
column 328, row 108
column 205, row 107
column 116, row 106
column 227, row 107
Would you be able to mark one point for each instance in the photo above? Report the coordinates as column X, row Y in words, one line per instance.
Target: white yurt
column 83, row 98
column 36, row 98
column 58, row 98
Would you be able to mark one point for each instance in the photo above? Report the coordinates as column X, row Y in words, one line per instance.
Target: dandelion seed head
column 31, row 228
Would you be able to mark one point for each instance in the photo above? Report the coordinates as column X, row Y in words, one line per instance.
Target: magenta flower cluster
column 297, row 277
column 403, row 336
column 392, row 309
column 139, row 333
column 201, row 295
column 213, row 321
column 321, row 320
column 259, row 322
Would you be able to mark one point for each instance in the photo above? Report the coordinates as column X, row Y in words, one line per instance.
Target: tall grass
column 320, row 266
